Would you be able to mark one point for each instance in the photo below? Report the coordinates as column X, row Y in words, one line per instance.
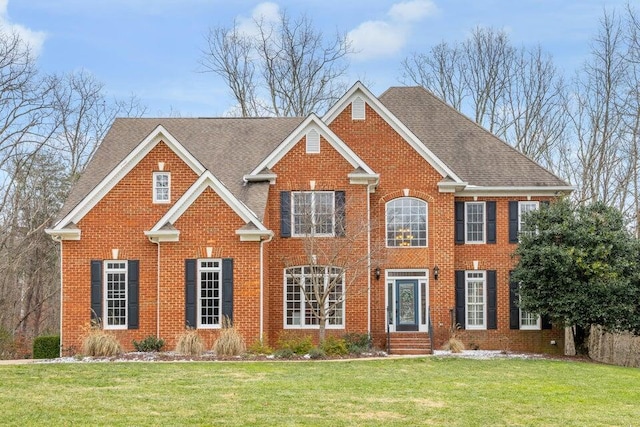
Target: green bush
column 150, row 343
column 297, row 344
column 259, row 347
column 317, row 353
column 46, row 347
column 284, row 353
column 334, row 346
column 357, row 343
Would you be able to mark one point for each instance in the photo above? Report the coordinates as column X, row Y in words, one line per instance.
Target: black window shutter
column 546, row 322
column 133, row 294
column 190, row 273
column 285, row 214
column 227, row 288
column 491, row 222
column 460, row 300
column 96, row 290
column 459, row 218
column 513, row 222
column 492, row 300
column 514, row 305
column 340, row 213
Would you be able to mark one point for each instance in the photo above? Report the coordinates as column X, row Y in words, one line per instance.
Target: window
column 407, row 222
column 301, row 304
column 358, row 109
column 475, row 289
column 313, row 213
column 523, row 209
column 529, row 320
column 209, row 292
column 115, row 294
column 161, row 187
column 474, row 222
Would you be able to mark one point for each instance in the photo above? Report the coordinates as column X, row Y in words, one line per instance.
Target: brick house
column 183, row 221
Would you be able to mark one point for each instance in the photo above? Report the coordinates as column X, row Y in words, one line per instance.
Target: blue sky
column 151, row 48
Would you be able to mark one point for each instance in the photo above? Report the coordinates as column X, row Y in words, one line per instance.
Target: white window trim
column 105, row 307
column 155, row 188
column 467, row 279
column 386, row 222
column 199, row 290
column 303, row 303
column 520, row 205
column 484, row 227
column 313, row 213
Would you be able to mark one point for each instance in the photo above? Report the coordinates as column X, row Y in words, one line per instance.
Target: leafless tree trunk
column 287, row 68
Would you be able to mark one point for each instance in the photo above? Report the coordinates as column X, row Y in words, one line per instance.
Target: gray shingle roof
column 474, row 154
column 228, row 147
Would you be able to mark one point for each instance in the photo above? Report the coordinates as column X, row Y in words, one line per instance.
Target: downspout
column 59, row 240
column 157, row 242
column 370, row 188
column 262, row 285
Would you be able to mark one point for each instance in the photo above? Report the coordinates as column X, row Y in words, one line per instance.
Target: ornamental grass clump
column 190, row 343
column 230, row 342
column 98, row 343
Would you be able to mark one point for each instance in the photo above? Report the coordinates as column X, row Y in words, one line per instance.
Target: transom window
column 313, row 213
column 115, row 295
column 161, row 187
column 209, row 292
column 303, row 285
column 474, row 222
column 475, row 290
column 523, row 209
column 407, row 222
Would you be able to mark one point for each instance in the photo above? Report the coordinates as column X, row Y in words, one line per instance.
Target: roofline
column 124, row 167
column 254, row 235
column 472, row 190
column 288, row 143
column 395, row 123
column 64, row 233
column 207, row 179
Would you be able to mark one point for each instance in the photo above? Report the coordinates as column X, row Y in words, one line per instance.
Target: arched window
column 407, row 222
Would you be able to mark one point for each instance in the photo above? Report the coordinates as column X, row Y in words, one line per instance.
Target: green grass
column 424, row 391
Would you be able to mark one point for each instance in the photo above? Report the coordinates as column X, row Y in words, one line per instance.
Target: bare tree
column 330, row 269
column 287, row 68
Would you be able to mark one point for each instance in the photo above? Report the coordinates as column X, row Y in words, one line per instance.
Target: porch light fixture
column 376, row 272
column 436, row 272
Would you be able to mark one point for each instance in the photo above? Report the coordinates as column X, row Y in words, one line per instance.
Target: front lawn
column 423, row 391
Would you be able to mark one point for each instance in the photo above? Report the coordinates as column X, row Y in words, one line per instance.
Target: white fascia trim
column 309, row 123
column 358, row 89
column 254, row 235
column 64, row 233
column 364, row 178
column 472, row 190
column 124, row 167
column 207, row 179
column 451, row 187
column 163, row 236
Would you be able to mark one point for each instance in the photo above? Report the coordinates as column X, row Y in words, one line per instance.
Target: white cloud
column 34, row 39
column 373, row 39
column 266, row 12
column 412, row 11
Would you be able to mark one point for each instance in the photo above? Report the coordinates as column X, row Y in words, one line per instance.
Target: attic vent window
column 313, row 141
column 357, row 109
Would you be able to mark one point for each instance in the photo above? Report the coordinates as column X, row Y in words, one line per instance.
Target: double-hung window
column 209, row 292
column 406, row 223
column 313, row 213
column 303, row 286
column 474, row 222
column 161, row 187
column 523, row 209
column 529, row 320
column 115, row 294
column 476, row 298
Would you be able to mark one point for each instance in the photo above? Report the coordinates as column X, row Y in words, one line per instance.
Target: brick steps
column 409, row 343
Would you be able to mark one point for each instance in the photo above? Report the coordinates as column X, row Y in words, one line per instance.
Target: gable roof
column 475, row 155
column 312, row 122
column 212, row 141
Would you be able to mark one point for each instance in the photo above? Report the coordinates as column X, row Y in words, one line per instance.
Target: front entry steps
column 409, row 343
